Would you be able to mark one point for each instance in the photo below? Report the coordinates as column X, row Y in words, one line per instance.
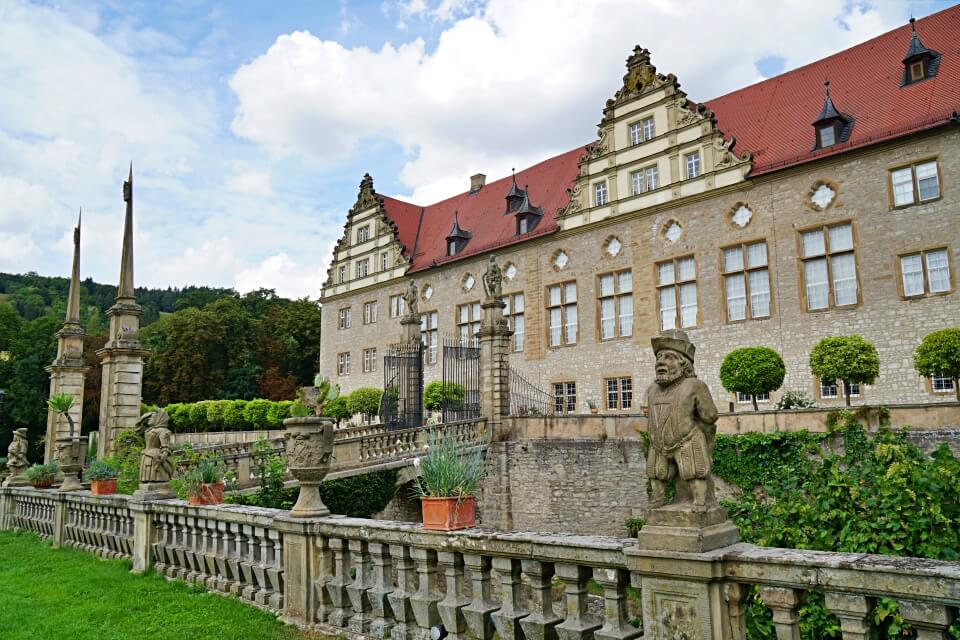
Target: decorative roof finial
column 125, row 288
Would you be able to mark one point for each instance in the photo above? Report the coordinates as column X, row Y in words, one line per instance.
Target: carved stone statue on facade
column 412, row 299
column 155, row 466
column 17, row 459
column 493, row 280
column 682, row 426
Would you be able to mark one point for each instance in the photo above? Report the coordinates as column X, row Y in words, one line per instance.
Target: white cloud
column 286, row 276
column 516, row 81
column 253, row 183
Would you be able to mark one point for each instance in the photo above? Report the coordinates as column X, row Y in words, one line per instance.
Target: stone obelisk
column 122, row 356
column 67, row 373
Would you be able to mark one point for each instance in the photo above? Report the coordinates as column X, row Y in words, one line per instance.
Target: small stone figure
column 493, row 280
column 155, row 466
column 17, row 459
column 682, row 426
column 412, row 299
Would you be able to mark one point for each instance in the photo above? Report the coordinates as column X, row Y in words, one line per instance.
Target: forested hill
column 33, row 296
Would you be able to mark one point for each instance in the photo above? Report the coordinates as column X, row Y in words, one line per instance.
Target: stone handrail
column 370, row 578
column 102, row 525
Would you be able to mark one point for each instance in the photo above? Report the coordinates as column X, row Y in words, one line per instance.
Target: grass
column 65, row 593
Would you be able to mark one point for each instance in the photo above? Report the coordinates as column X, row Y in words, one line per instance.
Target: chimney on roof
column 477, row 181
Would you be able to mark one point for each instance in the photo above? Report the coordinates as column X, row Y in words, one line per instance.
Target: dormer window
column 458, row 238
column 831, row 126
column 920, row 63
column 527, row 215
column 514, row 197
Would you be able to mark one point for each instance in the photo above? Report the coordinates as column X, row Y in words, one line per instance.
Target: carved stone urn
column 71, row 452
column 309, row 449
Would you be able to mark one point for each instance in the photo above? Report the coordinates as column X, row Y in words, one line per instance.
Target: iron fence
column 401, row 405
column 460, row 385
column 527, row 399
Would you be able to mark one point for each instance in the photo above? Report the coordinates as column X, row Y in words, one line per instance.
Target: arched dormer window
column 831, row 126
column 920, row 63
column 458, row 238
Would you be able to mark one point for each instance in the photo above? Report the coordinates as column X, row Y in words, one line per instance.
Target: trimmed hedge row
column 227, row 415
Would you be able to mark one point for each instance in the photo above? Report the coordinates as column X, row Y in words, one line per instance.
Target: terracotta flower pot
column 106, row 487
column 209, row 494
column 42, row 484
column 448, row 514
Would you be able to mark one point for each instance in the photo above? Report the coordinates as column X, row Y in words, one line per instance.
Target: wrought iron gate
column 460, row 398
column 401, row 405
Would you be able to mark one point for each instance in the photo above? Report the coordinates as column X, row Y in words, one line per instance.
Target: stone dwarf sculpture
column 17, row 459
column 682, row 426
column 155, row 466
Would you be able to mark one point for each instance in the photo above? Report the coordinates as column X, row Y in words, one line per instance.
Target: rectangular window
column 369, row 360
column 828, row 136
column 648, row 128
column 832, row 388
column 468, row 321
column 829, row 267
column 397, row 306
column 916, row 71
column 643, row 180
column 940, row 383
column 370, row 312
column 343, row 364
column 636, row 133
column 925, row 272
column 562, row 314
column 428, row 333
column 916, row 183
column 636, row 182
column 650, row 177
column 341, row 274
column 677, row 293
column 363, row 267
column 515, row 320
column 343, row 320
column 744, row 398
column 619, row 393
column 746, row 281
column 384, row 261
column 363, row 233
column 600, row 194
column 693, row 164
column 565, row 397
column 615, row 304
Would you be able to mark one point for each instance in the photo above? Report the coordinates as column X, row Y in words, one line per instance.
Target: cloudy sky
column 251, row 123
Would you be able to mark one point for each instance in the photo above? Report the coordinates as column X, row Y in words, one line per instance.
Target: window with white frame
column 642, row 130
column 828, row 135
column 370, row 312
column 397, row 306
column 636, row 133
column 515, row 318
column 940, row 383
column 677, row 293
column 615, row 295
column 925, row 272
column 363, row 267
column 746, row 281
column 619, row 393
column 600, row 194
column 384, row 261
column 341, row 274
column 643, row 180
column 648, row 128
column 369, row 360
column 428, row 334
column 468, row 321
column 693, row 164
column 343, row 319
column 363, row 233
column 829, row 267
column 565, row 397
column 562, row 314
column 744, row 398
column 916, row 183
column 834, row 389
column 343, row 364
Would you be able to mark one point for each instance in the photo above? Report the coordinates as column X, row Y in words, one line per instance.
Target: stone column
column 301, row 566
column 494, row 338
column 143, row 536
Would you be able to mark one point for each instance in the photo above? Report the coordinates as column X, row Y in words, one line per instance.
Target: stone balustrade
column 102, row 525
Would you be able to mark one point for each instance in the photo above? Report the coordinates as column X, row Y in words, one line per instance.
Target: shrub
column 795, row 400
column 939, row 354
column 179, row 417
column 435, row 393
column 752, row 370
column 360, row 496
column 3, row 463
column 446, row 472
column 338, row 410
column 848, row 358
column 102, row 470
column 255, row 413
column 43, row 474
column 278, row 412
column 215, row 412
column 198, row 415
column 126, row 455
column 233, row 419
column 365, row 401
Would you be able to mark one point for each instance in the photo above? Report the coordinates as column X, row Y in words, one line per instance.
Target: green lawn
column 69, row 594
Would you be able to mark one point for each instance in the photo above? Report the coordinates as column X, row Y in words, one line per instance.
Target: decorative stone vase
column 106, row 487
column 449, row 514
column 71, row 453
column 209, row 494
column 309, row 449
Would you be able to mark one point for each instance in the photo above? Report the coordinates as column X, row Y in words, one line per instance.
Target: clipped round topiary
column 752, row 371
column 939, row 355
column 851, row 359
column 364, row 400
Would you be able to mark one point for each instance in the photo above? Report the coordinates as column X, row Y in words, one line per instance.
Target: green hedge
column 227, row 415
column 360, row 496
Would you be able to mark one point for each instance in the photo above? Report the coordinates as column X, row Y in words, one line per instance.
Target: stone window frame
column 510, row 313
column 617, row 296
column 746, row 281
column 384, row 260
column 932, row 390
column 676, row 287
column 601, row 196
column 620, row 392
column 818, row 387
column 398, row 306
column 644, row 174
column 427, row 332
column 732, row 211
column 698, row 164
column 363, row 233
column 912, row 165
column 823, row 182
column 344, row 318
column 640, row 124
column 363, row 268
column 927, row 293
column 341, row 274
column 370, row 312
column 563, row 306
column 343, row 363
column 801, row 260
column 564, row 403
column 473, row 321
column 370, row 360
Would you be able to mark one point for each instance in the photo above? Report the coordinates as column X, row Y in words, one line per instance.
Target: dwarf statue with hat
column 17, row 459
column 682, row 426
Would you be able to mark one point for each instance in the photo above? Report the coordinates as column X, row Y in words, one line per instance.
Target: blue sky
column 250, row 124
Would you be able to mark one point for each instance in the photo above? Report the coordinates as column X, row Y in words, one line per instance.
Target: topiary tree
column 255, row 413
column 752, row 370
column 364, row 400
column 435, row 393
column 851, row 359
column 939, row 354
column 337, row 409
column 233, row 419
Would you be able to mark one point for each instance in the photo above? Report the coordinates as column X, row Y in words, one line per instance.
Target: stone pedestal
column 143, row 533
column 148, row 491
column 70, row 454
column 410, row 328
column 67, row 375
column 121, row 391
column 494, row 338
column 676, row 527
column 301, row 565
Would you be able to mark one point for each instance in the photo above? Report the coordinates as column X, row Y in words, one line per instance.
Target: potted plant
column 447, row 485
column 70, row 449
column 308, row 444
column 103, row 478
column 592, row 405
column 203, row 481
column 41, row 476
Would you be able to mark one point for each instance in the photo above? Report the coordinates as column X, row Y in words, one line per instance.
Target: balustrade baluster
column 542, row 622
column 616, row 625
column 852, row 609
column 324, row 575
column 183, row 540
column 930, row 621
column 211, row 547
column 381, row 586
column 735, row 595
column 235, row 559
column 454, row 600
column 173, row 546
column 424, row 601
column 507, row 619
column 337, row 586
column 248, row 561
column 223, row 553
column 785, row 605
column 478, row 612
column 577, row 625
column 357, row 590
column 193, row 550
column 275, row 571
column 260, row 568
column 159, row 543
column 403, row 591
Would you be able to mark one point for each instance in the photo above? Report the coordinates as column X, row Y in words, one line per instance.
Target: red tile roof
column 771, row 119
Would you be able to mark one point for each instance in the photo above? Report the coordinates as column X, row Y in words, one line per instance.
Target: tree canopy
column 851, row 359
column 939, row 354
column 752, row 371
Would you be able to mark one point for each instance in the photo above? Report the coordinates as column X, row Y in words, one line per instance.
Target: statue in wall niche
column 412, row 299
column 493, row 280
column 155, row 465
column 682, row 426
column 17, row 458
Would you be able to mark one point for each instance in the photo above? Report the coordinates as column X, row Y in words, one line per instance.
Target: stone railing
column 102, row 525
column 369, row 579
column 238, row 458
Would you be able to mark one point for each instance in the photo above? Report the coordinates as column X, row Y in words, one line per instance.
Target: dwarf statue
column 682, row 425
column 155, row 466
column 17, row 458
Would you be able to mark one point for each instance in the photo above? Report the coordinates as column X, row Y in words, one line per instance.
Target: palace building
column 821, row 202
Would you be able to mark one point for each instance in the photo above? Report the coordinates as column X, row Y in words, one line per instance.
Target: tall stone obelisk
column 67, row 373
column 122, row 356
